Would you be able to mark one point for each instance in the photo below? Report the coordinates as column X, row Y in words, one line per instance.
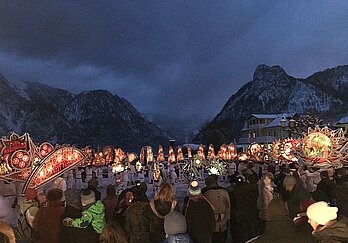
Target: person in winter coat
column 113, row 233
column 73, row 210
column 136, row 218
column 199, row 215
column 92, row 215
column 297, row 194
column 326, row 227
column 175, row 227
column 342, row 196
column 163, row 204
column 220, row 199
column 265, row 196
column 48, row 220
column 246, row 195
column 110, row 202
column 326, row 186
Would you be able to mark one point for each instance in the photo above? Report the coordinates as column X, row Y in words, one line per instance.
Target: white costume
column 89, row 173
column 78, row 177
column 70, row 179
column 60, row 183
column 111, row 176
column 232, row 168
column 99, row 174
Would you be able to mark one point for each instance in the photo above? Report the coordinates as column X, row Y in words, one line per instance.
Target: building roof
column 343, row 120
column 265, row 116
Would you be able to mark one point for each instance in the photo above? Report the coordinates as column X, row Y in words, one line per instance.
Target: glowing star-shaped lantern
column 222, row 154
column 180, row 156
column 189, row 153
column 211, row 152
column 197, row 161
column 160, row 155
column 216, row 167
column 231, row 152
column 171, row 155
column 149, row 155
column 200, row 152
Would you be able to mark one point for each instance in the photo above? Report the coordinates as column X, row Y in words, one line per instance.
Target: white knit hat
column 321, row 212
column 87, row 197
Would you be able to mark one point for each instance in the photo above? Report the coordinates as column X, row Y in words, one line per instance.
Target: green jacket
column 93, row 215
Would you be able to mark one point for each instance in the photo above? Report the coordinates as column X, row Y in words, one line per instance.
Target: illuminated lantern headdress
column 171, row 155
column 180, row 157
column 160, row 155
column 211, row 152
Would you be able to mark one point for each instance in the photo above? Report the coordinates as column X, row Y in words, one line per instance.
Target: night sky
column 177, row 57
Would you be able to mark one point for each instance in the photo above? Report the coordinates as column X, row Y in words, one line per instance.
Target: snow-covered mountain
column 272, row 91
column 89, row 118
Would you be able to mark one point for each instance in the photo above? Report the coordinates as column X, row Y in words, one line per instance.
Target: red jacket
column 48, row 222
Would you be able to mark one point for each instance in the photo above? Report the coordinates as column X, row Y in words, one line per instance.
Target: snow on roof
column 343, row 120
column 276, row 122
column 265, row 116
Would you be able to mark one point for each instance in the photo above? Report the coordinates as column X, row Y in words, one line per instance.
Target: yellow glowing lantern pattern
column 317, row 146
column 156, row 172
column 160, row 155
column 142, row 155
column 171, row 155
column 211, row 152
column 222, row 154
column 231, row 152
column 180, row 154
column 52, row 166
column 149, row 154
column 200, row 152
column 119, row 155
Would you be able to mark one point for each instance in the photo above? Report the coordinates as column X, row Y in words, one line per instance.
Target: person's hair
column 113, row 233
column 165, row 193
column 253, row 178
column 270, row 176
column 110, row 190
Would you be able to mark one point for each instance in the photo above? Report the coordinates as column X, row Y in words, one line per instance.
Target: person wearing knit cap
column 326, row 227
column 199, row 226
column 48, row 220
column 297, row 193
column 175, row 227
column 92, row 214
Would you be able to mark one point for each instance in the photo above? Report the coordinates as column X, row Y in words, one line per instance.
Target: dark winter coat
column 156, row 216
column 246, row 202
column 328, row 187
column 179, row 238
column 342, row 199
column 70, row 234
column 200, row 220
column 296, row 196
column 137, row 222
column 334, row 232
column 48, row 222
column 110, row 204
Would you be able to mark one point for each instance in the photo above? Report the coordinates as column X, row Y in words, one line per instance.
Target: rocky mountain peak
column 267, row 74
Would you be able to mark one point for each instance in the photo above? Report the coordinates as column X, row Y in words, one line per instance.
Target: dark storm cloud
column 185, row 57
